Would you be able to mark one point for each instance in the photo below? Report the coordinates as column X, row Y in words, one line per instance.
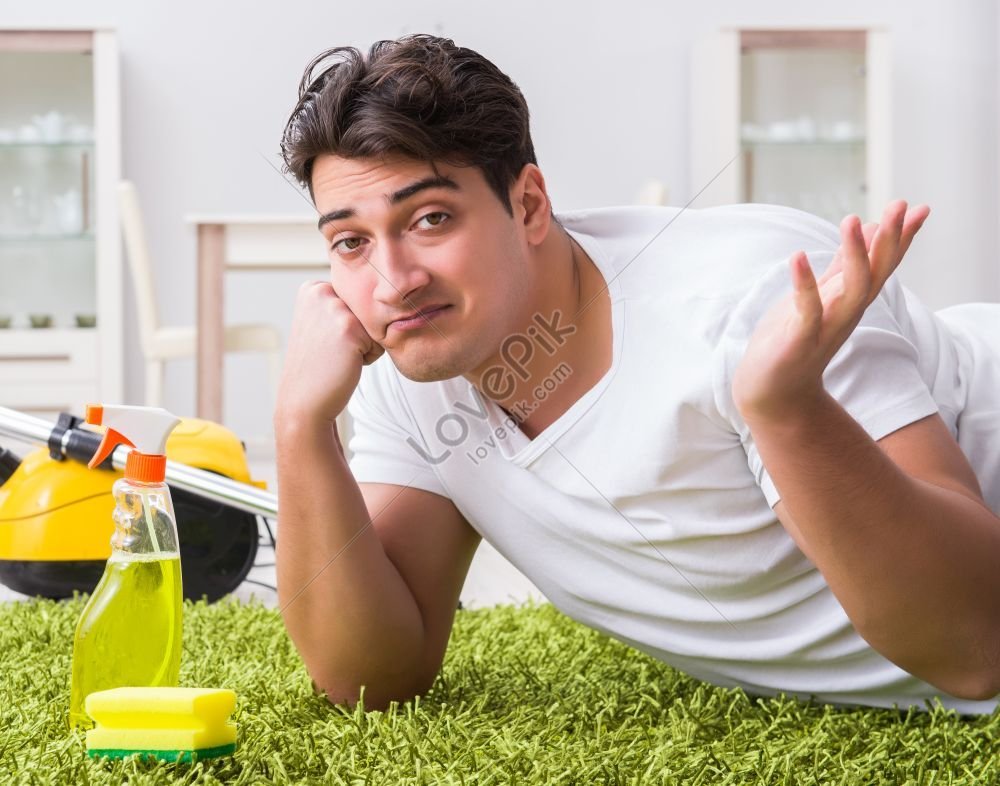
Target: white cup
column 50, row 125
column 29, row 134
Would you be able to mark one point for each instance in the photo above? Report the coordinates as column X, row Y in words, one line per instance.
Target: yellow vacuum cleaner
column 55, row 513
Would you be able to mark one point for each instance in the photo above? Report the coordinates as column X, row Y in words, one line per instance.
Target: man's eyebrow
column 435, row 181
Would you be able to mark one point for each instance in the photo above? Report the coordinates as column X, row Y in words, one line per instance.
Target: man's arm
column 365, row 604
column 902, row 535
column 899, row 528
column 368, row 577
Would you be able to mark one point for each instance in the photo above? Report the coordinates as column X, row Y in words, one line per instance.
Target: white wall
column 207, row 89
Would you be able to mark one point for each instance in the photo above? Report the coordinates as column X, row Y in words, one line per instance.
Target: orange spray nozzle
column 112, row 438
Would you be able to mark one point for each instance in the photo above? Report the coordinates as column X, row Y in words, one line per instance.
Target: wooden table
column 241, row 242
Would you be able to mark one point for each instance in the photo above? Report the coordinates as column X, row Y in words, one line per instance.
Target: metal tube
column 24, row 427
column 241, row 496
column 222, row 489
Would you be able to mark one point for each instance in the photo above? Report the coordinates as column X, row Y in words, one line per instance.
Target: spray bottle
column 129, row 634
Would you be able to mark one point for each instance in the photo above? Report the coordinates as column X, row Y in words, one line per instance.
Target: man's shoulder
column 706, row 252
column 751, row 217
column 779, row 221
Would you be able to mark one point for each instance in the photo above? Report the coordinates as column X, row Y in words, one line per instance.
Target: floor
column 491, row 580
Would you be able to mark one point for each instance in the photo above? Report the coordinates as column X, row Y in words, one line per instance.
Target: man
column 682, row 434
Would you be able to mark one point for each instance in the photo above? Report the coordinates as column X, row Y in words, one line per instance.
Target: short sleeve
column 875, row 375
column 385, row 446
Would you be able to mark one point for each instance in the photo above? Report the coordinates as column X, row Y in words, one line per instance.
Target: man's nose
column 398, row 277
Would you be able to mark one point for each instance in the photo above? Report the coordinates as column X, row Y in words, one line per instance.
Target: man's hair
column 419, row 96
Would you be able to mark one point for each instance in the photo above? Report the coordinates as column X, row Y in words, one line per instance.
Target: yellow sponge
column 175, row 724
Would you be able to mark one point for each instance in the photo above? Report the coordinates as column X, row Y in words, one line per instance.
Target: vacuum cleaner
column 55, row 513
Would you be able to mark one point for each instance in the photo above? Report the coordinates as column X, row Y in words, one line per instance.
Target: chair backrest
column 139, row 263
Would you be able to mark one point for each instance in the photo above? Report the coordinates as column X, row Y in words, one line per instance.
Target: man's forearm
column 346, row 607
column 914, row 565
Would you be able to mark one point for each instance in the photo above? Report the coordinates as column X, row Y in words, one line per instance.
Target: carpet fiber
column 526, row 696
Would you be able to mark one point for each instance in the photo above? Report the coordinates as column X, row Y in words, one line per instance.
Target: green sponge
column 172, row 724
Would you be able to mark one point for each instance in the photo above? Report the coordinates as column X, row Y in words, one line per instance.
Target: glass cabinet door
column 803, row 120
column 47, row 218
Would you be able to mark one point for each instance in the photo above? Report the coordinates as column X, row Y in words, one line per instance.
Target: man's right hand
column 327, row 347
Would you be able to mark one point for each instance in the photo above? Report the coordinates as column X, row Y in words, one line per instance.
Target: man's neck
column 563, row 347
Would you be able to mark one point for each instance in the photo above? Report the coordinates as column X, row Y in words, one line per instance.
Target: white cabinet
column 792, row 117
column 60, row 248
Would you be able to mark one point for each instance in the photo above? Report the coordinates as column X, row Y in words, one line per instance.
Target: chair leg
column 154, row 382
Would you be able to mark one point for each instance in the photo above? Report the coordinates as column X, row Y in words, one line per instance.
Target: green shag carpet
column 526, row 696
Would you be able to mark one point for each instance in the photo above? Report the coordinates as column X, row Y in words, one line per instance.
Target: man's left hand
column 795, row 340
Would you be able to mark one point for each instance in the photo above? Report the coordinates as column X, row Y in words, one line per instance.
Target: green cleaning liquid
column 129, row 632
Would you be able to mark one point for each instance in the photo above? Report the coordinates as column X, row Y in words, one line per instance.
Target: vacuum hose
column 67, row 440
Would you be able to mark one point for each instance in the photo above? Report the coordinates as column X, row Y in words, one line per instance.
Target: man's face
column 401, row 238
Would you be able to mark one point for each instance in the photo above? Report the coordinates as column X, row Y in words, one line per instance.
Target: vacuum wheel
column 218, row 545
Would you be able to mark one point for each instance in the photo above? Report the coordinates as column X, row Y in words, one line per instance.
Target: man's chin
column 424, row 370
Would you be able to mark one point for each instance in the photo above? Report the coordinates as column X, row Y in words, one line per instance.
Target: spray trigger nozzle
column 147, row 429
column 112, row 439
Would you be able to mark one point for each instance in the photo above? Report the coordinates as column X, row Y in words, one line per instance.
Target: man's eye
column 435, row 219
column 347, row 243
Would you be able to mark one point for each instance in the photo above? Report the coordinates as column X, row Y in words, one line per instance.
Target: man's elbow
column 984, row 688
column 377, row 695
column 982, row 677
column 965, row 684
column 972, row 678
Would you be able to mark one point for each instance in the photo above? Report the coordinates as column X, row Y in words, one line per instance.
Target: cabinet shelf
column 831, row 143
column 63, row 144
column 16, row 335
column 43, row 237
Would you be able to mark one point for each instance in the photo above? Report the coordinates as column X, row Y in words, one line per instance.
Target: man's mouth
column 419, row 318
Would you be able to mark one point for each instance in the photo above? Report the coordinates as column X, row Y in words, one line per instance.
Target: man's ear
column 530, row 202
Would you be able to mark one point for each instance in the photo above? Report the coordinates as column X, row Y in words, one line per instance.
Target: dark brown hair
column 419, row 96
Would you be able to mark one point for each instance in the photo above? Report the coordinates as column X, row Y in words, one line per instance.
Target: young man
column 766, row 477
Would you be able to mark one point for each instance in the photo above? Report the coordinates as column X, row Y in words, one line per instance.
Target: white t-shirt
column 644, row 510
